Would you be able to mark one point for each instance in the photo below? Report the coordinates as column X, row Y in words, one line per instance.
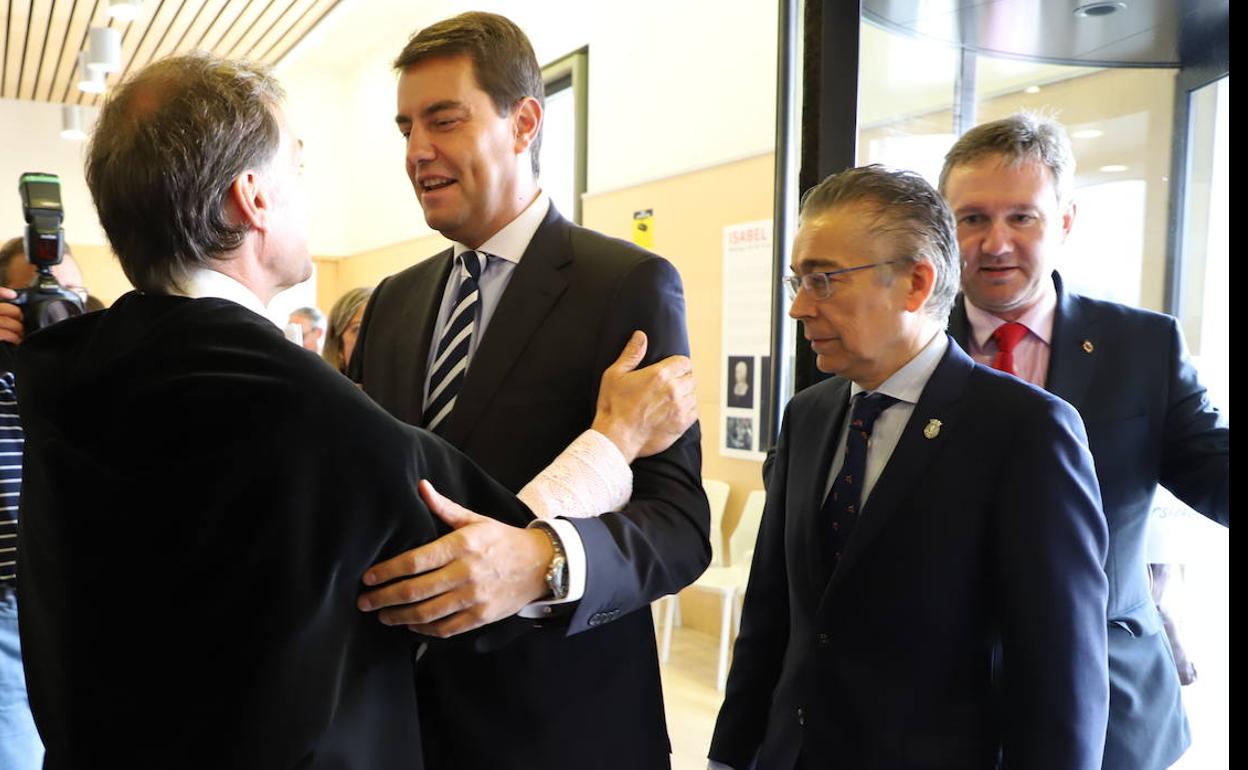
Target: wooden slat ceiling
column 42, row 38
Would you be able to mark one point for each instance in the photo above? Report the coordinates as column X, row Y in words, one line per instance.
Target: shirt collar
column 202, row 282
column 510, row 242
column 1038, row 319
column 907, row 383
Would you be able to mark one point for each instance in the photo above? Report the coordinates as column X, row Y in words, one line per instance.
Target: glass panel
column 558, row 152
column 1202, row 596
column 1120, row 122
column 905, row 100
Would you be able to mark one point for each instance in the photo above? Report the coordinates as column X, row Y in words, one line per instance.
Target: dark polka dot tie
column 841, row 507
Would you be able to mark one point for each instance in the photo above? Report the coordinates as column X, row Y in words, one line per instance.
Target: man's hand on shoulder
column 644, row 411
column 482, row 572
column 10, row 317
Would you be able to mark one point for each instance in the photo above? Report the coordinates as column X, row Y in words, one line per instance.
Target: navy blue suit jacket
column 965, row 622
column 1149, row 422
column 589, row 684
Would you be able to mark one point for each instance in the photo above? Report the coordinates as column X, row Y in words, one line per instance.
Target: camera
column 45, row 301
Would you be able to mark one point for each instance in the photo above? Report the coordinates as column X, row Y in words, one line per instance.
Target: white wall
column 30, row 133
column 675, row 85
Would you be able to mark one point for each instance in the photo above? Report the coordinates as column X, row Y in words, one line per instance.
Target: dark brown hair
column 166, row 148
column 1021, row 138
column 502, row 59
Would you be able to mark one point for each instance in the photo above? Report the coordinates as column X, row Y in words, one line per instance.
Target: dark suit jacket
column 201, row 499
column 584, row 691
column 964, row 553
column 1149, row 421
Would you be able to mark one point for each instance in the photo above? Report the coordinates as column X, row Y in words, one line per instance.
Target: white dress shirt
column 906, row 385
column 1031, row 354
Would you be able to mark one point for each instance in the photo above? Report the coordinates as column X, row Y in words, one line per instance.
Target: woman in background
column 344, row 327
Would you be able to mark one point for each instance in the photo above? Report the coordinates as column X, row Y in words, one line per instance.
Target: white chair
column 729, row 580
column 667, row 609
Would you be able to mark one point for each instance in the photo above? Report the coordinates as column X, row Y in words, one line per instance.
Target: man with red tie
column 1126, row 370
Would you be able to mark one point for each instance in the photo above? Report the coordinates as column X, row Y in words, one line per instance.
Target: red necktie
column 1007, row 336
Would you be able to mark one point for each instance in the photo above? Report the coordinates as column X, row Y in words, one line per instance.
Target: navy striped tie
column 450, row 366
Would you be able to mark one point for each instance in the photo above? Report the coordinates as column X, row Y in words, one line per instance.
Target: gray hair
column 312, row 314
column 168, row 144
column 1021, row 138
column 905, row 205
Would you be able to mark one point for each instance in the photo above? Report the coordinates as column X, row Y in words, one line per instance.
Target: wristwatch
column 557, row 572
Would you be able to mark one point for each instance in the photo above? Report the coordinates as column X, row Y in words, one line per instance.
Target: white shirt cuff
column 574, row 552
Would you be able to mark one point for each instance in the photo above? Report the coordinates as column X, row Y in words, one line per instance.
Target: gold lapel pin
column 1087, row 346
column 932, row 429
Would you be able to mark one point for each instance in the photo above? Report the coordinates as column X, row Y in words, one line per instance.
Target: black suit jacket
column 1149, row 421
column 201, row 499
column 584, row 691
column 964, row 554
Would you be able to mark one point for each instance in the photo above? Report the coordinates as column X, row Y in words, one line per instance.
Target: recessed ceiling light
column 71, row 123
column 1031, row 90
column 125, row 10
column 1114, row 168
column 1095, row 10
column 1087, row 133
column 89, row 80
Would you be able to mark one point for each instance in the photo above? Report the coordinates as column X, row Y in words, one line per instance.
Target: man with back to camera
column 1126, row 370
column 533, row 302
column 183, row 457
column 919, row 597
column 20, row 747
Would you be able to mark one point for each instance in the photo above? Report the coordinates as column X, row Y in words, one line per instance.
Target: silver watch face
column 557, row 577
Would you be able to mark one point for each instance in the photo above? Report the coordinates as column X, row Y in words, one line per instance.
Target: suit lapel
column 810, row 480
column 420, row 316
column 1072, row 350
column 909, row 462
column 535, row 286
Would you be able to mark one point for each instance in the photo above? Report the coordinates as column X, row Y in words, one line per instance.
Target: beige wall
column 101, row 272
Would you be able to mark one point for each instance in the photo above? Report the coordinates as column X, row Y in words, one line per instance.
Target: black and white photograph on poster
column 764, row 398
column 741, row 382
column 739, row 433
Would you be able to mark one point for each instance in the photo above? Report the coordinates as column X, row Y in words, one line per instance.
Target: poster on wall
column 746, row 347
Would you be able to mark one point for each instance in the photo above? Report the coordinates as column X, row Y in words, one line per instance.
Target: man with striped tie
column 20, row 747
column 496, row 344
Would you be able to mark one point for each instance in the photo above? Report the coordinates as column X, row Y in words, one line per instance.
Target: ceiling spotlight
column 104, row 50
column 125, row 10
column 1087, row 133
column 1114, row 168
column 1031, row 90
column 71, row 123
column 89, row 80
column 1095, row 10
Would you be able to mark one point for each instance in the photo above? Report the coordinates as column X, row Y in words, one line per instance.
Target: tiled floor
column 690, row 697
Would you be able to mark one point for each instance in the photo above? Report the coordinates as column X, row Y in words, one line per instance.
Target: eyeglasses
column 818, row 285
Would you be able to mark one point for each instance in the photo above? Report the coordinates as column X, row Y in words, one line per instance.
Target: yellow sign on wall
column 643, row 228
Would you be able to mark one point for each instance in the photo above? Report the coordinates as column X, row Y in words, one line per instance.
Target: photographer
column 20, row 747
